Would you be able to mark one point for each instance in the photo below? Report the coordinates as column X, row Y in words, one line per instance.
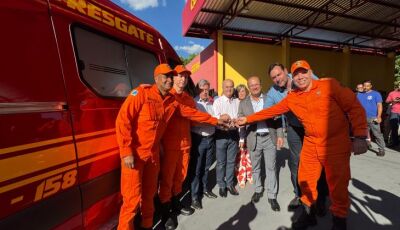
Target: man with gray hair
column 227, row 140
column 203, row 144
column 261, row 139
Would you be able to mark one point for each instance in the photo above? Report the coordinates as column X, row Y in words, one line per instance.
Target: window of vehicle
column 141, row 65
column 109, row 67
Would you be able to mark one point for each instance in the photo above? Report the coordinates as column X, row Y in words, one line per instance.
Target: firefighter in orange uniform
column 140, row 125
column 325, row 108
column 176, row 153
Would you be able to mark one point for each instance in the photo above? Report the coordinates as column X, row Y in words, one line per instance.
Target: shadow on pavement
column 375, row 210
column 375, row 207
column 241, row 219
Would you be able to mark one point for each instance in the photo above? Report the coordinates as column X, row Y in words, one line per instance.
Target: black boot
column 305, row 219
column 294, row 204
column 320, row 206
column 167, row 216
column 339, row 223
column 177, row 207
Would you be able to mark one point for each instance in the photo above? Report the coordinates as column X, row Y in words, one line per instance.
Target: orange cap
column 181, row 69
column 299, row 64
column 163, row 69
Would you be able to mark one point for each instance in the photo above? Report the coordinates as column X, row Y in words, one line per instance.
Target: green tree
column 397, row 69
column 188, row 59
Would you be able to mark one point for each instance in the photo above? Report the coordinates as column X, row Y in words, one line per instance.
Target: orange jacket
column 143, row 119
column 322, row 111
column 178, row 135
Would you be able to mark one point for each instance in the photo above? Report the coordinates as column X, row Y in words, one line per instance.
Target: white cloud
column 192, row 49
column 142, row 4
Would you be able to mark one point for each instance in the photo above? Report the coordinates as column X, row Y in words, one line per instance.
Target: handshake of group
column 226, row 122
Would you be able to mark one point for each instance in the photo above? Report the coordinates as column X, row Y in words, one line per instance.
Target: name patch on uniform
column 134, row 92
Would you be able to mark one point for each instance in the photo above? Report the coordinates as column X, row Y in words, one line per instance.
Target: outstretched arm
column 278, row 109
column 275, row 110
column 202, row 117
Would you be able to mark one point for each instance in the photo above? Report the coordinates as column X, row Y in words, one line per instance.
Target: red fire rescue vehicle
column 66, row 66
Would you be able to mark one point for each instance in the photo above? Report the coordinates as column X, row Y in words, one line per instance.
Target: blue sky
column 166, row 17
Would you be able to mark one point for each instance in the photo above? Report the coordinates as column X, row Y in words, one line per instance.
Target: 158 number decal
column 54, row 184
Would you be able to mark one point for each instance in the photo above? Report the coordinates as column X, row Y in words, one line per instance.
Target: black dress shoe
column 294, row 204
column 274, row 205
column 232, row 190
column 305, row 219
column 210, row 194
column 196, row 204
column 167, row 217
column 170, row 224
column 222, row 192
column 256, row 197
column 381, row 153
column 186, row 211
column 177, row 207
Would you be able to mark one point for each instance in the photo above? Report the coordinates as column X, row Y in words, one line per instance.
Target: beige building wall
column 239, row 60
column 245, row 59
column 323, row 63
column 378, row 69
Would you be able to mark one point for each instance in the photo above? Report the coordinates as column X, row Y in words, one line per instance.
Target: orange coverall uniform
column 327, row 143
column 140, row 125
column 176, row 151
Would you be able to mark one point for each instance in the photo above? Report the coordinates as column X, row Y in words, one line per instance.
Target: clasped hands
column 226, row 122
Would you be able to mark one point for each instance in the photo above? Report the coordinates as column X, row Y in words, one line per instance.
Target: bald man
column 327, row 111
column 227, row 140
column 261, row 139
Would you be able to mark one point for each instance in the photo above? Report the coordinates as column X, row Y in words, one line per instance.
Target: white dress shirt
column 204, row 129
column 224, row 105
column 258, row 105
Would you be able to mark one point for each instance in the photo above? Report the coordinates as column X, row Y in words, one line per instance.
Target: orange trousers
column 174, row 166
column 337, row 169
column 138, row 188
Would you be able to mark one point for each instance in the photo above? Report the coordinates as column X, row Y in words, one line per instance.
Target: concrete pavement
column 374, row 191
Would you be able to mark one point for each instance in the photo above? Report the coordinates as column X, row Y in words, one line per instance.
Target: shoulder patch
column 134, row 92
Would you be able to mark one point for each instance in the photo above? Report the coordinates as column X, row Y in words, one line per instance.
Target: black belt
column 262, row 134
column 227, row 131
column 225, row 134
